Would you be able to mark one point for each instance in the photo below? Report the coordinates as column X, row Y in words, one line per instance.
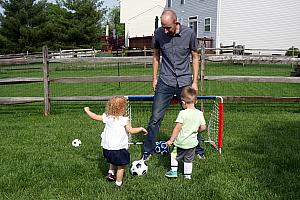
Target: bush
column 293, row 51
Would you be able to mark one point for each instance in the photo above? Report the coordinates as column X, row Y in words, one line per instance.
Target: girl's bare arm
column 92, row 115
column 132, row 130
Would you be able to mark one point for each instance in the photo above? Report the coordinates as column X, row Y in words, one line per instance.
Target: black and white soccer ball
column 138, row 168
column 161, row 147
column 76, row 143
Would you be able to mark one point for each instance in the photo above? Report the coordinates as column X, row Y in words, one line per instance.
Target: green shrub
column 293, row 51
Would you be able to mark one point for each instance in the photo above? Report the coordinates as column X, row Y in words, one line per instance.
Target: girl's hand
column 144, row 130
column 86, row 109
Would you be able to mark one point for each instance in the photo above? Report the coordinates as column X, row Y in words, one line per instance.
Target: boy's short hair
column 189, row 95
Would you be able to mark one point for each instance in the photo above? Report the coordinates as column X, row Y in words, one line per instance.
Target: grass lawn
column 37, row 160
column 259, row 159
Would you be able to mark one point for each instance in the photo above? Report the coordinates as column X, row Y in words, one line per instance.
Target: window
column 193, row 24
column 207, row 24
column 182, row 2
column 169, row 3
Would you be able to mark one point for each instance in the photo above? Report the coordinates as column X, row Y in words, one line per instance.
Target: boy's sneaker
column 146, row 156
column 201, row 156
column 119, row 184
column 110, row 177
column 171, row 174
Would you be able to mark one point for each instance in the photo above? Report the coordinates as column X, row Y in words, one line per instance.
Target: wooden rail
column 21, row 100
column 249, row 59
column 264, row 79
column 148, row 78
column 19, row 80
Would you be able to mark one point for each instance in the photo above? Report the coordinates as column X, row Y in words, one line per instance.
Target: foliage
column 27, row 25
column 293, row 51
column 83, row 18
column 22, row 23
column 114, row 19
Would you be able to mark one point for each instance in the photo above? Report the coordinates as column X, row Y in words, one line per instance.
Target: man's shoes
column 146, row 156
column 171, row 174
column 110, row 177
column 201, row 156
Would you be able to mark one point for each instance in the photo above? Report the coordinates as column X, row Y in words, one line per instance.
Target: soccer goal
column 139, row 112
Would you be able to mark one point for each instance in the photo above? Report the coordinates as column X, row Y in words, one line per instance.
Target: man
column 175, row 43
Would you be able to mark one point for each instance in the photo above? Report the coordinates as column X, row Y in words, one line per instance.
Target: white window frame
column 182, row 2
column 207, row 24
column 169, row 6
column 195, row 18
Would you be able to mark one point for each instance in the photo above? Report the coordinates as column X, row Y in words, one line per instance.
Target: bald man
column 175, row 43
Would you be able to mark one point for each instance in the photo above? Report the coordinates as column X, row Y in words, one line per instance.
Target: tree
column 84, row 17
column 27, row 25
column 114, row 21
column 21, row 24
column 55, row 33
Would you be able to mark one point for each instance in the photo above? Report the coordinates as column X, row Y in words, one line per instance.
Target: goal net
column 139, row 112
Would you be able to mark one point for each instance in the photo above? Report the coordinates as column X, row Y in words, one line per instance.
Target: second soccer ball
column 161, row 147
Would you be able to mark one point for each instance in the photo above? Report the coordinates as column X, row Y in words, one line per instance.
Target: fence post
column 46, row 81
column 145, row 54
column 202, row 73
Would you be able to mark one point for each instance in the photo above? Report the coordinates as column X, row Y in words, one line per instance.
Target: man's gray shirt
column 175, row 51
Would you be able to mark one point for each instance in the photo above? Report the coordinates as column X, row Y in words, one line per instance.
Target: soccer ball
column 138, row 168
column 161, row 147
column 76, row 143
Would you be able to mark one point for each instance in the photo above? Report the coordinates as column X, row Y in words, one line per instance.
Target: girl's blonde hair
column 116, row 106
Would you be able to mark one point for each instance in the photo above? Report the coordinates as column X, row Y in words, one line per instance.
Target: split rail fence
column 46, row 80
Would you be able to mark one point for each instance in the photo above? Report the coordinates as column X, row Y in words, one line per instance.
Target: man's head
column 168, row 21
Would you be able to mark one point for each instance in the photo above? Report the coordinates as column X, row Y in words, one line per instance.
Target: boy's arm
column 93, row 115
column 132, row 130
column 175, row 133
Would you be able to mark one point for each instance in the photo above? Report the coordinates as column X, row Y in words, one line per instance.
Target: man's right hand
column 154, row 83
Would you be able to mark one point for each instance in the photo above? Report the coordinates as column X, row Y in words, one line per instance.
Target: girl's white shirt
column 114, row 135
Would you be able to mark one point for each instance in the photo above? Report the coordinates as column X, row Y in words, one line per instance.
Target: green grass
column 260, row 148
column 214, row 69
column 259, row 160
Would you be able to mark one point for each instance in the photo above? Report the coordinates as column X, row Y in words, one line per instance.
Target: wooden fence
column 147, row 59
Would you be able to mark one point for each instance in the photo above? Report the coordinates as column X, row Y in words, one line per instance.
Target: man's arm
column 155, row 65
column 195, row 62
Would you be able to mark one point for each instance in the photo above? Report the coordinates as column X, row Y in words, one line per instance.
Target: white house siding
column 139, row 16
column 201, row 8
column 263, row 24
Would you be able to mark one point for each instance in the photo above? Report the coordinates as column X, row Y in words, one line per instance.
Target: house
column 139, row 18
column 257, row 24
